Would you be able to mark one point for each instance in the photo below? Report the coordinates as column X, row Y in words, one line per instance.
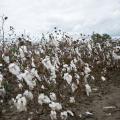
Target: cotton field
column 59, row 78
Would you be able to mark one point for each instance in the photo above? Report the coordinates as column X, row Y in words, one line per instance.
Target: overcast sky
column 79, row 16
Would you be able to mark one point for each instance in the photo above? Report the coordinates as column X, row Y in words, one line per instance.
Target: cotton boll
column 87, row 69
column 68, row 78
column 89, row 113
column 28, row 95
column 72, row 65
column 20, row 103
column 14, row 69
column 72, row 100
column 43, row 99
column 20, row 86
column 70, row 112
column 92, row 77
column 20, row 77
column 1, row 79
column 22, row 51
column 33, row 64
column 46, row 62
column 55, row 106
column 6, row 59
column 18, row 96
column 35, row 73
column 77, row 76
column 53, row 115
column 103, row 78
column 53, row 96
column 64, row 115
column 88, row 89
column 43, row 87
column 74, row 87
column 2, row 91
column 28, row 77
column 115, row 56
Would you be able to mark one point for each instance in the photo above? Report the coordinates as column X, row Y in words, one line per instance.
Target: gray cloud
column 71, row 15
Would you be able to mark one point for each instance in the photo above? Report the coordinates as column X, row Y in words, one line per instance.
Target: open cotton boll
column 72, row 100
column 1, row 79
column 20, row 103
column 115, row 56
column 43, row 99
column 28, row 77
column 68, row 78
column 64, row 115
column 74, row 87
column 55, row 106
column 14, row 69
column 20, row 86
column 53, row 115
column 87, row 69
column 2, row 91
column 53, row 96
column 103, row 78
column 22, row 51
column 33, row 64
column 43, row 87
column 89, row 46
column 18, row 96
column 6, row 59
column 28, row 95
column 46, row 62
column 88, row 89
column 70, row 112
column 72, row 65
column 35, row 73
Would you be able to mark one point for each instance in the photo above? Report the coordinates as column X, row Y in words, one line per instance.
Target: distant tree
column 98, row 38
column 106, row 37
